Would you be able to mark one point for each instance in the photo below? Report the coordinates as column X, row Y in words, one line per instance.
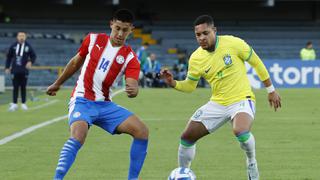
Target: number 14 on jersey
column 104, row 64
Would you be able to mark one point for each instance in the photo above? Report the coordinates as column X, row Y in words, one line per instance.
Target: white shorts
column 214, row 115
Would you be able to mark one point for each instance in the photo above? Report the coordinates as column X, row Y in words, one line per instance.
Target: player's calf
column 139, row 131
column 247, row 143
column 186, row 153
column 67, row 157
column 138, row 152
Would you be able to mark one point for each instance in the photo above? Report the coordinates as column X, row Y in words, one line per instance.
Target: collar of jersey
column 217, row 42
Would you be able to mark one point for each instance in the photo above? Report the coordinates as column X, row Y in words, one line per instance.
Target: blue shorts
column 104, row 114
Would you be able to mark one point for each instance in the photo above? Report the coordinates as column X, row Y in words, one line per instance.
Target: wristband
column 270, row 89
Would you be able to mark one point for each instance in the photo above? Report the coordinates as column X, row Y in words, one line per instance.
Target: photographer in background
column 151, row 69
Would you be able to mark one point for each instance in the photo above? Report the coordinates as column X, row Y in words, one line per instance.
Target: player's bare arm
column 273, row 96
column 73, row 66
column 168, row 77
column 132, row 87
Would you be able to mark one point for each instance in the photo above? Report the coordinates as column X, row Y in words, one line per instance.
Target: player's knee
column 237, row 131
column 140, row 132
column 188, row 137
column 243, row 136
column 79, row 131
column 80, row 137
column 143, row 132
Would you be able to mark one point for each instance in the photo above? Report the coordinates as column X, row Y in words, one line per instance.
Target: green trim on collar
column 217, row 42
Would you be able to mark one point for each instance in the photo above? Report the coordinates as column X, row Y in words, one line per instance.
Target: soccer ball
column 182, row 174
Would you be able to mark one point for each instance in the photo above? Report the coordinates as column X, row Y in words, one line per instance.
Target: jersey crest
column 120, row 59
column 227, row 60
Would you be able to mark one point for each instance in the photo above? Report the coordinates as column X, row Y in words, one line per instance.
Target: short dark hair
column 203, row 19
column 123, row 15
column 309, row 43
column 21, row 32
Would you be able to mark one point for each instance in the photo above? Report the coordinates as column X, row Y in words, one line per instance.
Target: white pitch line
column 117, row 92
column 44, row 105
column 35, row 127
column 30, row 129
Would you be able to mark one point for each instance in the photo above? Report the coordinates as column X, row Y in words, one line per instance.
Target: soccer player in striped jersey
column 102, row 59
column 220, row 60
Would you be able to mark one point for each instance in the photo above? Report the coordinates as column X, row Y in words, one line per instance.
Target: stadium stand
column 270, row 42
column 55, row 44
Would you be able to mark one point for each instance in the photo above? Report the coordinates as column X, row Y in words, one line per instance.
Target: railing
column 59, row 69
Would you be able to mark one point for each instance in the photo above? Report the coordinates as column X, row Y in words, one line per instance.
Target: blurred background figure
column 308, row 53
column 151, row 69
column 181, row 66
column 142, row 54
column 20, row 58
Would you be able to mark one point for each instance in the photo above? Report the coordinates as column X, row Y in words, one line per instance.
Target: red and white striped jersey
column 102, row 66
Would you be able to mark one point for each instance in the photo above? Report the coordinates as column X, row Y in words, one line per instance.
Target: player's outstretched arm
column 186, row 85
column 132, row 87
column 73, row 66
column 167, row 76
column 273, row 96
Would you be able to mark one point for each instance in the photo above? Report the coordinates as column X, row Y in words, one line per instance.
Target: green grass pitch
column 288, row 141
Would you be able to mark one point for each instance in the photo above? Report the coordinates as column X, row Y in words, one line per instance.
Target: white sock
column 186, row 155
column 249, row 148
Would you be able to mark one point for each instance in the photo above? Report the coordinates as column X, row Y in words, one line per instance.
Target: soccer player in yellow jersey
column 220, row 60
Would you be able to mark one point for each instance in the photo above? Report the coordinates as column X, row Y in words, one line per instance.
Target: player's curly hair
column 204, row 19
column 124, row 15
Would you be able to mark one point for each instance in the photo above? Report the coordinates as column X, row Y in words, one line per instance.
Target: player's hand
column 28, row 65
column 7, row 71
column 132, row 87
column 52, row 90
column 274, row 100
column 167, row 76
column 131, row 91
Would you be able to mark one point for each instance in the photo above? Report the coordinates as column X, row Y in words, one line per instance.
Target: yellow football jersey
column 224, row 69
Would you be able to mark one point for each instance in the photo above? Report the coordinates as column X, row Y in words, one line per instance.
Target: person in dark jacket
column 20, row 58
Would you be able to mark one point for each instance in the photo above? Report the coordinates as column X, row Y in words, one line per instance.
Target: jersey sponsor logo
column 120, row 59
column 76, row 114
column 227, row 60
